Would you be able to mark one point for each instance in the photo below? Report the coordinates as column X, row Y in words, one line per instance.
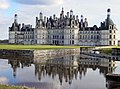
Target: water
column 69, row 72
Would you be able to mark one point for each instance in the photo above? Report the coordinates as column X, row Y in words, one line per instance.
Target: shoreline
column 5, row 86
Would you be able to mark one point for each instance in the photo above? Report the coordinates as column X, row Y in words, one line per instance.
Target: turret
column 86, row 23
column 108, row 20
column 74, row 17
column 82, row 18
column 77, row 20
column 15, row 18
column 54, row 17
column 41, row 16
column 71, row 13
column 62, row 12
column 81, row 23
column 67, row 14
column 36, row 19
column 108, row 13
column 45, row 19
column 77, row 17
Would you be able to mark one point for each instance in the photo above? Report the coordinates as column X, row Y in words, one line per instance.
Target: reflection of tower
column 17, row 62
column 60, row 73
column 14, row 65
column 85, row 71
column 104, row 65
column 70, row 75
column 76, row 73
column 39, row 72
column 14, row 71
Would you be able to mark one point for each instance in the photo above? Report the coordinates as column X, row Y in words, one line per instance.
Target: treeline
column 3, row 41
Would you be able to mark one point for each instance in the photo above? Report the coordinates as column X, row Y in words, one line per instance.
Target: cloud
column 4, row 4
column 39, row 2
column 5, row 22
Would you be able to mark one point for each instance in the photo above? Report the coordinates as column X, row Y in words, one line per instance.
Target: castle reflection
column 72, row 67
column 65, row 68
column 17, row 61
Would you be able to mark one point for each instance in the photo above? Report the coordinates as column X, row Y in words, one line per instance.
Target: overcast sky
column 27, row 10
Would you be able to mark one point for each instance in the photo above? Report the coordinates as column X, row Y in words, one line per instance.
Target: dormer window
column 110, row 27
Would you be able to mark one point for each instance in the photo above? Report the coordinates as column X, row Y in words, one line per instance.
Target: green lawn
column 107, row 49
column 12, row 87
column 35, row 47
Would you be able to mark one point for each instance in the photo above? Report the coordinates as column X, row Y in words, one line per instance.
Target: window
column 62, row 37
column 97, row 36
column 114, row 31
column 114, row 42
column 110, row 31
column 72, row 36
column 91, row 36
column 83, row 36
column 80, row 36
column 57, row 37
column 110, row 43
column 114, row 36
column 110, row 36
column 53, row 41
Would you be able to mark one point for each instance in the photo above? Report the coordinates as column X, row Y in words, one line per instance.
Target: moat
column 78, row 71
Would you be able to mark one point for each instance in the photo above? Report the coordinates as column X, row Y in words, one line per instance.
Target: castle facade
column 66, row 30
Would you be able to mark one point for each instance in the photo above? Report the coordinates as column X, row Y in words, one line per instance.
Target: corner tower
column 13, row 31
column 108, row 31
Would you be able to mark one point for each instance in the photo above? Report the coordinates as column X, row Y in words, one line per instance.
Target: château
column 67, row 29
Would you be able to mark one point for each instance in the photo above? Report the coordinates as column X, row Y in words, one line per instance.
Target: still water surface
column 69, row 72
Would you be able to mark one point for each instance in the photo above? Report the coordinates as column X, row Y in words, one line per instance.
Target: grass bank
column 107, row 49
column 13, row 87
column 36, row 47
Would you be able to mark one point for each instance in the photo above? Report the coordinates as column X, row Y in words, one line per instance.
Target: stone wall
column 50, row 54
column 40, row 54
column 16, row 52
